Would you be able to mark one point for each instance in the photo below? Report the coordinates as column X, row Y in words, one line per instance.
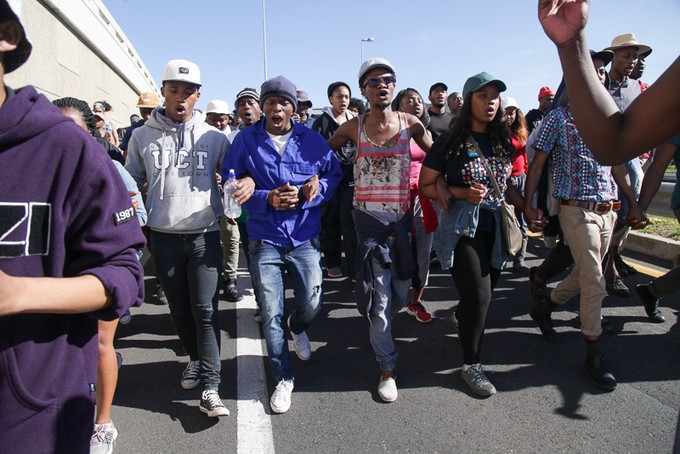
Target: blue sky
column 316, row 42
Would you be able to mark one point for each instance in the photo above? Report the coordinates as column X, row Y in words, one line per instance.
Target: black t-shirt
column 467, row 169
column 533, row 119
column 439, row 123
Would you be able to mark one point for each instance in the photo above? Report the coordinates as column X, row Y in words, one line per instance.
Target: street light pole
column 365, row 40
column 264, row 38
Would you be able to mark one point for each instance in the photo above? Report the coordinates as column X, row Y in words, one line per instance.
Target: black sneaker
column 618, row 288
column 651, row 304
column 599, row 373
column 544, row 323
column 538, row 289
column 231, row 292
column 212, row 405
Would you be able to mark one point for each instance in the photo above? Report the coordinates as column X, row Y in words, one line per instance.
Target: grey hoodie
column 183, row 198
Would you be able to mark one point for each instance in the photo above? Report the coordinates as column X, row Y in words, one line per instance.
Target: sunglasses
column 375, row 81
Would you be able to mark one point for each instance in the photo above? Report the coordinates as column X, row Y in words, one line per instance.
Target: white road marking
column 254, row 427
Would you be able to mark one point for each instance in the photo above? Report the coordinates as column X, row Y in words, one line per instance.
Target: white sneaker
column 280, row 401
column 301, row 344
column 102, row 439
column 190, row 376
column 387, row 389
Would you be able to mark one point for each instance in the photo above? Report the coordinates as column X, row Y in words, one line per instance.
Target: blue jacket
column 461, row 220
column 307, row 154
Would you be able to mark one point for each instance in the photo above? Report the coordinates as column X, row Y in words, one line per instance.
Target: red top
column 520, row 164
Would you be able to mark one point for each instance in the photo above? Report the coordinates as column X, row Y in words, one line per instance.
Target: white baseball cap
column 509, row 101
column 218, row 106
column 375, row 62
column 182, row 71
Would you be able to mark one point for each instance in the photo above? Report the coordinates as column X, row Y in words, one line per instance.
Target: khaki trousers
column 588, row 235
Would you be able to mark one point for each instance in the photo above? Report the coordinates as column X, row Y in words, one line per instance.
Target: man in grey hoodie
column 177, row 154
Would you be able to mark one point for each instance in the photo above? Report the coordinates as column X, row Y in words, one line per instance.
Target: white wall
column 79, row 51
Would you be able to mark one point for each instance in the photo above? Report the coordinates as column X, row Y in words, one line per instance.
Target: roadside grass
column 662, row 226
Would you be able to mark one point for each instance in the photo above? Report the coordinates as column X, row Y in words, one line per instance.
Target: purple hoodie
column 64, row 211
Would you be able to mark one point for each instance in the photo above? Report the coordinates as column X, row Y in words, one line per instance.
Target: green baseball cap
column 480, row 80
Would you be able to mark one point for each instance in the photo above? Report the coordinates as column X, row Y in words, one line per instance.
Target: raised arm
column 614, row 137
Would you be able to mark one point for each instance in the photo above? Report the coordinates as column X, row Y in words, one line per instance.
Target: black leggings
column 475, row 279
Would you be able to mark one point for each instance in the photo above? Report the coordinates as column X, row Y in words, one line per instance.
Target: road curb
column 653, row 245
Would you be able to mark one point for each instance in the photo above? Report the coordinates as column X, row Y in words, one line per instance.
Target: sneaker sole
column 278, row 410
column 388, row 399
column 478, row 391
column 302, row 358
column 214, row 413
column 415, row 314
column 190, row 385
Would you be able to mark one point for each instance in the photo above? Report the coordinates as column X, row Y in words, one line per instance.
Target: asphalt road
column 544, row 403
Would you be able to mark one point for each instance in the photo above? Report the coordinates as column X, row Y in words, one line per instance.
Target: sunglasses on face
column 375, row 81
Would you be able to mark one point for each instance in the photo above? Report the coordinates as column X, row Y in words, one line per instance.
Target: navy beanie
column 279, row 86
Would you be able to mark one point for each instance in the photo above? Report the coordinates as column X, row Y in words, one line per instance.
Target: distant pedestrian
column 535, row 116
column 520, row 166
column 455, row 102
column 217, row 116
column 439, row 117
column 424, row 215
column 336, row 219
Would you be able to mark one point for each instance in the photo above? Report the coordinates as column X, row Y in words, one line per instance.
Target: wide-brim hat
column 604, row 55
column 629, row 40
column 148, row 100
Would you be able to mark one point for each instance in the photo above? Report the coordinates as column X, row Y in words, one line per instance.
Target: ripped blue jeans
column 302, row 269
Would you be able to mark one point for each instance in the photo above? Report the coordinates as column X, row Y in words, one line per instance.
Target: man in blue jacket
column 294, row 172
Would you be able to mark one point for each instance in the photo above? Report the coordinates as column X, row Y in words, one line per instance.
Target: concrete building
column 79, row 50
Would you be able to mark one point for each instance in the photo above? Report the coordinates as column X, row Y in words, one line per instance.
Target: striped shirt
column 382, row 174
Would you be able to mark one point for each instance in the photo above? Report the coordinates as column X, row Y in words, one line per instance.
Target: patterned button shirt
column 576, row 173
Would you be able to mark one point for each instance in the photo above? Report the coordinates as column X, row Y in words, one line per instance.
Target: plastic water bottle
column 232, row 209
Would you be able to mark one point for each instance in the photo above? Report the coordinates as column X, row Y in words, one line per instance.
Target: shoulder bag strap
column 488, row 169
